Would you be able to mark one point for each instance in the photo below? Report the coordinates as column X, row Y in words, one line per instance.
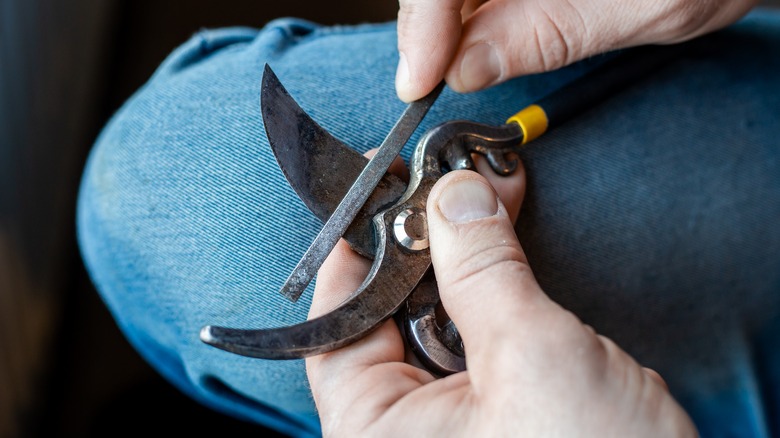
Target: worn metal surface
column 400, row 259
column 357, row 195
column 319, row 167
column 437, row 346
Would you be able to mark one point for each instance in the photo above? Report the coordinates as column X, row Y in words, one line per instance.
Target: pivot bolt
column 411, row 229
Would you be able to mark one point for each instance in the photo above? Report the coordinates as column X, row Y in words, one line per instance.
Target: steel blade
column 319, row 167
column 387, row 285
column 357, row 195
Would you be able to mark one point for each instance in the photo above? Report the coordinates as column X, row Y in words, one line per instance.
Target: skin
column 534, row 369
column 474, row 44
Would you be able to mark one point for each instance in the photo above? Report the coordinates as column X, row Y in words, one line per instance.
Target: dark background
column 65, row 67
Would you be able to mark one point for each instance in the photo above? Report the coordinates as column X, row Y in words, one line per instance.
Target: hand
column 533, row 368
column 477, row 43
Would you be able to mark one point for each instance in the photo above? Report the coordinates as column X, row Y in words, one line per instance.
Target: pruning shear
column 383, row 218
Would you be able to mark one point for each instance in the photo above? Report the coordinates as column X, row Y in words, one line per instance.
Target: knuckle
column 422, row 21
column 409, row 12
column 488, row 262
column 407, row 6
column 407, row 9
column 551, row 41
column 686, row 17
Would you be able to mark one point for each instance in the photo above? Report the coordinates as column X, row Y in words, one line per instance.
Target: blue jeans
column 654, row 216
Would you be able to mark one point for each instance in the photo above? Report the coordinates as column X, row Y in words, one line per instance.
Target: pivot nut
column 411, row 229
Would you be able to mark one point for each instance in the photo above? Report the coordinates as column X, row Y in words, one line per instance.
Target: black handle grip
column 606, row 80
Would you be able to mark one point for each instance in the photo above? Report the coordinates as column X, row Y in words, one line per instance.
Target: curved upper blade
column 395, row 272
column 320, row 168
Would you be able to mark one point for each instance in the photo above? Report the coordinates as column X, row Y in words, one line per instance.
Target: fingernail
column 402, row 76
column 467, row 200
column 480, row 67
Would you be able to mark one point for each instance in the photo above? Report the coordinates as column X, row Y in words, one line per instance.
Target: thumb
column 484, row 280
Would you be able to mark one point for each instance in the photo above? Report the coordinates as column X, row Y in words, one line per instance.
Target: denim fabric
column 654, row 216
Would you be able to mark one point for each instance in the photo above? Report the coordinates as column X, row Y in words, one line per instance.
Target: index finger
column 428, row 36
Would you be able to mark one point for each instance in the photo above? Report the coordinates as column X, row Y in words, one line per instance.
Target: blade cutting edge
column 357, row 195
column 318, row 166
